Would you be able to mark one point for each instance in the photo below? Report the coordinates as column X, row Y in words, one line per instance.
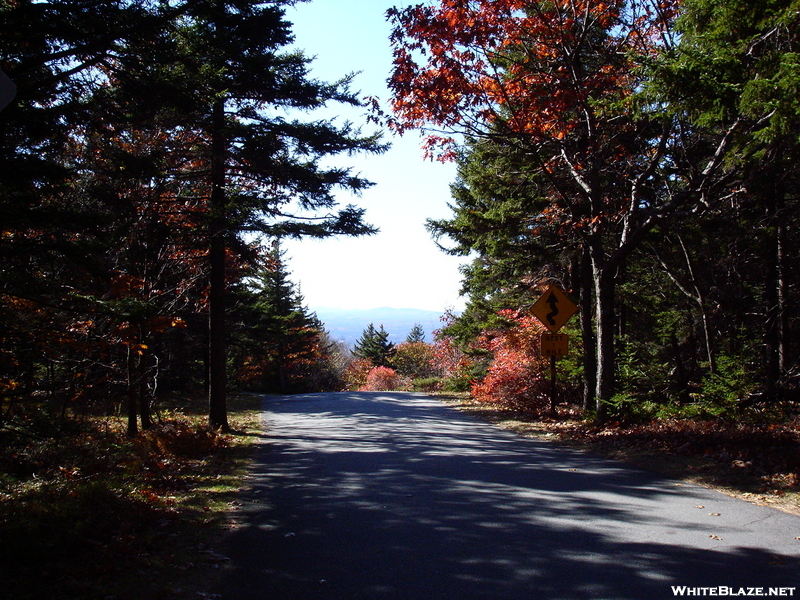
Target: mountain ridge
column 347, row 325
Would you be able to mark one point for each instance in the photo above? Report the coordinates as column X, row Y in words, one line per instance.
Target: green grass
column 86, row 512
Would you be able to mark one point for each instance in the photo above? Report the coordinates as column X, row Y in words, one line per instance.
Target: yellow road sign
column 553, row 308
column 554, row 344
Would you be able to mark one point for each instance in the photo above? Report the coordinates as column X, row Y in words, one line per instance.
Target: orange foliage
column 462, row 64
column 517, row 375
column 382, row 379
column 355, row 375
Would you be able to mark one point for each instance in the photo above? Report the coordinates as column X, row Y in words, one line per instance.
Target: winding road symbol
column 554, row 308
column 553, row 302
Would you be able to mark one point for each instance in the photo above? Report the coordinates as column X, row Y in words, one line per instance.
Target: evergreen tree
column 276, row 342
column 501, row 219
column 64, row 212
column 736, row 71
column 141, row 121
column 261, row 166
column 559, row 97
column 416, row 335
column 374, row 345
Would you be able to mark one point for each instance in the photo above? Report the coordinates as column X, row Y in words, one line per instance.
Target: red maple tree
column 554, row 82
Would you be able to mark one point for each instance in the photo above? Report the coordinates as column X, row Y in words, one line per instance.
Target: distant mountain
column 347, row 325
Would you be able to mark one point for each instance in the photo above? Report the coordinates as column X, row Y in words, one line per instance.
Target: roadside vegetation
column 670, row 218
column 143, row 152
column 89, row 512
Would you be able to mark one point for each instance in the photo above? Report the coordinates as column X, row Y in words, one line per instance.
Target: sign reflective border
column 554, row 344
column 553, row 308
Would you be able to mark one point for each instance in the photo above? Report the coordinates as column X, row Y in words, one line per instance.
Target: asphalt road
column 373, row 496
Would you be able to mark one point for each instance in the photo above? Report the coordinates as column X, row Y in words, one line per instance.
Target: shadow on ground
column 372, row 496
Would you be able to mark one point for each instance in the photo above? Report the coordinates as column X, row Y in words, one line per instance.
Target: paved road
column 374, row 496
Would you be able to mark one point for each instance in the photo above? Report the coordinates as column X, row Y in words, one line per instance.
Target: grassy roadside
column 758, row 463
column 88, row 513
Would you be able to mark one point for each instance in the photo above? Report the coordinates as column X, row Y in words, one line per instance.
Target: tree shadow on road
column 374, row 496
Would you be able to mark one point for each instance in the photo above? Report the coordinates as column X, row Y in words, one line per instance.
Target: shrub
column 355, row 374
column 414, row 359
column 516, row 376
column 428, row 384
column 723, row 390
column 382, row 379
column 452, row 364
column 179, row 437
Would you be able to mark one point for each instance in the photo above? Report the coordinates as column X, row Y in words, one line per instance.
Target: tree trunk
column 680, row 370
column 783, row 295
column 604, row 289
column 133, row 427
column 145, row 405
column 774, row 293
column 217, row 385
column 587, row 332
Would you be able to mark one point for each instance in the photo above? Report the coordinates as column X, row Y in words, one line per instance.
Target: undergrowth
column 87, row 512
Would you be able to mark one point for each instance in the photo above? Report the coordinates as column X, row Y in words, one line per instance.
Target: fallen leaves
column 762, row 457
column 93, row 500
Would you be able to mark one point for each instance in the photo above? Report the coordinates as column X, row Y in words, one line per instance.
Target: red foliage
column 516, row 61
column 449, row 361
column 381, row 379
column 355, row 374
column 517, row 376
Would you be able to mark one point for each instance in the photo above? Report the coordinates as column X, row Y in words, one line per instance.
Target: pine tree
column 189, row 107
column 276, row 342
column 374, row 345
column 416, row 335
column 257, row 169
column 736, row 72
column 63, row 214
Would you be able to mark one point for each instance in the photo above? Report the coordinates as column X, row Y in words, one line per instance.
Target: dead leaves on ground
column 760, row 458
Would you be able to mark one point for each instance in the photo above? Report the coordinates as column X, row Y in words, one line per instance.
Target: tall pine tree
column 192, row 105
column 277, row 343
column 264, row 170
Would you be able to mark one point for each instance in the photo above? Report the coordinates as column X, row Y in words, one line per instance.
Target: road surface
column 372, row 496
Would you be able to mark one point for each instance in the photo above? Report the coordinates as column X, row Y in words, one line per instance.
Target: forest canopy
column 640, row 154
column 153, row 151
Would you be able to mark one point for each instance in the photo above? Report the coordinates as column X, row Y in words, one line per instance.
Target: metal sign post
column 554, row 345
column 553, row 388
column 553, row 309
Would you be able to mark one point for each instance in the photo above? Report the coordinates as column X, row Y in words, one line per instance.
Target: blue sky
column 400, row 267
